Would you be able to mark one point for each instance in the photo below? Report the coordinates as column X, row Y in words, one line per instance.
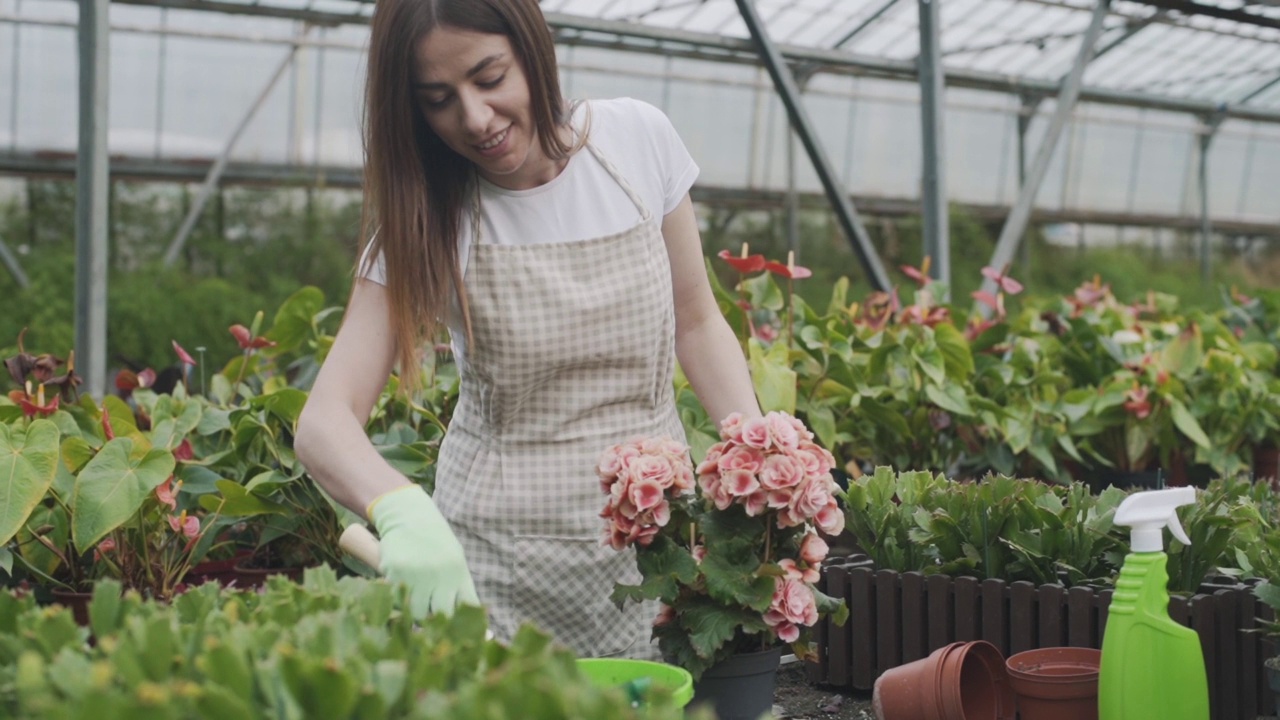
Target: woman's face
column 474, row 96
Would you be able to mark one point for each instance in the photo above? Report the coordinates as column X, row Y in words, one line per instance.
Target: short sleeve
column 678, row 169
column 375, row 271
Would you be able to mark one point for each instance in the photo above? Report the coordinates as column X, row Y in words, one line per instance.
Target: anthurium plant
column 733, row 555
column 324, row 649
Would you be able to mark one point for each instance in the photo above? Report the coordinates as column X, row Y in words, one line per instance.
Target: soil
column 799, row 698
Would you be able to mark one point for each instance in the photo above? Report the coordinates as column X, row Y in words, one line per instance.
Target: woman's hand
column 420, row 550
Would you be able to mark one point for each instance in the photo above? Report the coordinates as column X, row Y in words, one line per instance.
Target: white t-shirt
column 583, row 201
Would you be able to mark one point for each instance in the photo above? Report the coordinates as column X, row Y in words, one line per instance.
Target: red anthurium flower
column 764, row 333
column 977, row 327
column 106, row 424
column 183, row 355
column 744, row 263
column 127, row 380
column 247, row 340
column 791, row 270
column 184, row 452
column 1004, row 282
column 33, row 405
column 103, row 548
column 794, row 272
column 1138, row 405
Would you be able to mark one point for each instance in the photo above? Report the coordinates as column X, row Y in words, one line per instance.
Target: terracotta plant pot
column 1058, row 683
column 251, row 577
column 960, row 681
column 76, row 602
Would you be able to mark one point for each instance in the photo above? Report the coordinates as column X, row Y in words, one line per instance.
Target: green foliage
column 1040, row 533
column 328, row 648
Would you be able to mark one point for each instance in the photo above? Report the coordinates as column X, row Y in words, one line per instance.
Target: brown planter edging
column 896, row 618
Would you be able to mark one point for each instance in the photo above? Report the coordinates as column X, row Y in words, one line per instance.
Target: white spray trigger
column 1175, row 527
column 1149, row 512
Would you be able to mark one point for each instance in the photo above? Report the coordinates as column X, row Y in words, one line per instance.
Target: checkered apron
column 573, row 349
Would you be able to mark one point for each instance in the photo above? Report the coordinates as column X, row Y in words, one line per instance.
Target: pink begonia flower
column 781, row 471
column 739, row 483
column 674, row 451
column 817, row 459
column 731, row 427
column 810, row 498
column 795, row 572
column 167, row 493
column 795, row 600
column 654, row 469
column 741, row 457
column 684, row 478
column 787, row 632
column 185, row 524
column 666, row 614
column 830, row 520
column 711, row 461
column 756, row 503
column 645, row 494
column 780, row 498
column 609, row 465
column 782, row 431
column 813, row 549
column 755, row 433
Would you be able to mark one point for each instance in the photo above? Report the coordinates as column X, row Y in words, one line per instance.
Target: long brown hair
column 415, row 186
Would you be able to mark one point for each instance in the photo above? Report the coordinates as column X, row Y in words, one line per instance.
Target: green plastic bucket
column 618, row 672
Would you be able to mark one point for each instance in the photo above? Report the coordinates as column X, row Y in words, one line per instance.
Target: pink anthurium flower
column 1003, row 281
column 246, row 339
column 185, row 524
column 919, row 275
column 183, row 355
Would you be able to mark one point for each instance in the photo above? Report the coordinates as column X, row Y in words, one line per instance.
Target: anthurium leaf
column 774, row 380
column 1188, row 424
column 239, row 502
column 6, row 560
column 293, row 321
column 76, row 453
column 949, row 397
column 955, row 350
column 1269, row 594
column 28, row 465
column 1183, row 354
column 112, row 486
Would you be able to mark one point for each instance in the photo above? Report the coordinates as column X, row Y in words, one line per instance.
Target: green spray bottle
column 1152, row 667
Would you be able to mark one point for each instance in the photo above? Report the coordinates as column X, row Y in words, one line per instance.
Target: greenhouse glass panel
column 47, row 118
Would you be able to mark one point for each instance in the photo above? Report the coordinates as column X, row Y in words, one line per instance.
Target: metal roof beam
column 1187, row 7
column 1016, row 224
column 871, row 19
column 846, row 213
column 738, row 50
column 1258, row 91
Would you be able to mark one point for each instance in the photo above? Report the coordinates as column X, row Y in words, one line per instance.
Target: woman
column 559, row 246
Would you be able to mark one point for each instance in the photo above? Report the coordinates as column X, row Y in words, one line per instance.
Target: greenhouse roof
column 1196, row 56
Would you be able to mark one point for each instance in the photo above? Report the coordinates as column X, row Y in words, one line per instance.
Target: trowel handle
column 358, row 542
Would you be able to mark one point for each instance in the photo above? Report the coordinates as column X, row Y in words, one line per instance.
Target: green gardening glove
column 419, row 550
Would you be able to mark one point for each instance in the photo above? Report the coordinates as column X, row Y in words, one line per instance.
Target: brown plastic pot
column 1058, row 683
column 960, row 681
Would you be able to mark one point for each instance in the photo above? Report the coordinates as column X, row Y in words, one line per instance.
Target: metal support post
column 1026, row 114
column 800, row 122
column 15, row 268
column 933, row 195
column 793, row 196
column 219, row 165
column 1206, row 223
column 91, row 199
column 1016, row 224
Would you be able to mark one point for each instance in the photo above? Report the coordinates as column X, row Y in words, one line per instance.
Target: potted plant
column 733, row 557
